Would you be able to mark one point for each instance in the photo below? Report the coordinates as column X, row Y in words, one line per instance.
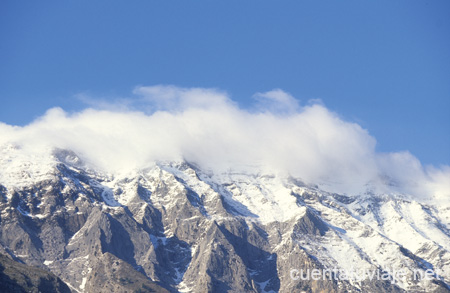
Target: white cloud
column 171, row 98
column 109, row 103
column 277, row 101
column 206, row 127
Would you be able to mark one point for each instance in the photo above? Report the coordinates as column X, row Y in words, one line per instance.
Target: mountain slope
column 175, row 227
column 17, row 277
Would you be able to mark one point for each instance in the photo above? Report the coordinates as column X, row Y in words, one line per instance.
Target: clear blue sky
column 382, row 64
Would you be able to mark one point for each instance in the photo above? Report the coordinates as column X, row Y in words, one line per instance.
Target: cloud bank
column 206, row 127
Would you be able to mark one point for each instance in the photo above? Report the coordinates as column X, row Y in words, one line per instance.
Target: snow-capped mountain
column 175, row 227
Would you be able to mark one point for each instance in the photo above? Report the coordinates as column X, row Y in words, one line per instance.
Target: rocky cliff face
column 173, row 227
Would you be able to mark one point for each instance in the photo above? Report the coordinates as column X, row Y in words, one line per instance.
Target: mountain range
column 176, row 227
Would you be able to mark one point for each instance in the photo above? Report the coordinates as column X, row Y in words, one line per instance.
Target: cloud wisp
column 206, row 127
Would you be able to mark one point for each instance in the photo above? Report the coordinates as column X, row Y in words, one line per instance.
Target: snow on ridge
column 21, row 168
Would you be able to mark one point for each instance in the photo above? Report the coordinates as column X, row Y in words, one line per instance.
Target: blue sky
column 382, row 64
